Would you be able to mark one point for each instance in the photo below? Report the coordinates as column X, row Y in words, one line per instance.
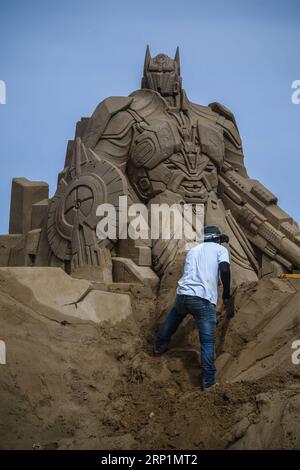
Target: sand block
column 125, row 270
column 24, row 194
column 54, row 289
column 7, row 242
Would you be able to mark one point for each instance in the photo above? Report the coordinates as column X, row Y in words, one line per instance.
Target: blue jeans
column 204, row 314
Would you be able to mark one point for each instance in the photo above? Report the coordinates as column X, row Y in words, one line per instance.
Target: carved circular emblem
column 78, row 202
column 72, row 214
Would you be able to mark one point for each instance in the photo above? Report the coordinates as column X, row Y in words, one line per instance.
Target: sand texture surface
column 81, row 374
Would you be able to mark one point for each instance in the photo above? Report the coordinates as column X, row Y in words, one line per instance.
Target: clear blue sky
column 60, row 58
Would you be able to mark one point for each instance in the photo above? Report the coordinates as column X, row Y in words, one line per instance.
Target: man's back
column 200, row 277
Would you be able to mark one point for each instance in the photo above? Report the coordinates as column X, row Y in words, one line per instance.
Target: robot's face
column 162, row 74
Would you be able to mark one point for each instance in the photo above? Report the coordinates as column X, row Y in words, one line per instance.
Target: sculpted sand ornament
column 154, row 146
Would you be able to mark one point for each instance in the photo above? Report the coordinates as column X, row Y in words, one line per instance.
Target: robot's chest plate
column 175, row 152
column 154, row 142
column 184, row 143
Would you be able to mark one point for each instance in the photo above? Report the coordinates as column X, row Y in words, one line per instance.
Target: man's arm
column 224, row 269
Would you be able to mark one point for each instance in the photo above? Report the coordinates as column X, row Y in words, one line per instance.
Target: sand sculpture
column 153, row 146
column 80, row 371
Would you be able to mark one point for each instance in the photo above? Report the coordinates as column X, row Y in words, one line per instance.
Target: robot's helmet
column 162, row 74
column 212, row 233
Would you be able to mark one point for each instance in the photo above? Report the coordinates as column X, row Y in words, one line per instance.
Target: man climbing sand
column 197, row 294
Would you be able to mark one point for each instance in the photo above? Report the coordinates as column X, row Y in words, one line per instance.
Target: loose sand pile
column 70, row 383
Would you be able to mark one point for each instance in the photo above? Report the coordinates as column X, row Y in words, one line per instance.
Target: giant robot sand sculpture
column 78, row 313
column 153, row 146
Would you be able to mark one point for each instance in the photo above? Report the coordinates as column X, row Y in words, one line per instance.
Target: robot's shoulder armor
column 201, row 109
column 146, row 102
column 222, row 111
column 102, row 116
column 226, row 119
column 119, row 124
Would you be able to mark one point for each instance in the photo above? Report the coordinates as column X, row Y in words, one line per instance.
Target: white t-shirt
column 201, row 271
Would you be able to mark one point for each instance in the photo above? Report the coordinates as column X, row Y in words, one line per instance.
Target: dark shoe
column 160, row 351
column 210, row 387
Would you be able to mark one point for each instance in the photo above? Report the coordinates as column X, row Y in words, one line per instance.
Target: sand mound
column 75, row 383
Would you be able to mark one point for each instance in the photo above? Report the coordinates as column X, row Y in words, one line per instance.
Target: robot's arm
column 232, row 140
column 93, row 175
column 265, row 224
column 101, row 117
column 253, row 206
column 109, row 130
